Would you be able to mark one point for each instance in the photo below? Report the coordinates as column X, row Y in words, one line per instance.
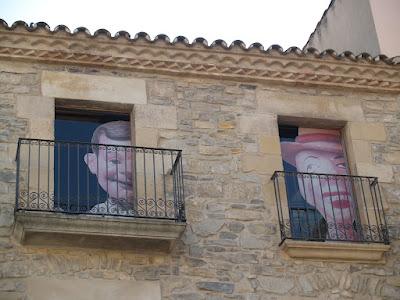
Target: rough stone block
column 33, row 107
column 208, row 227
column 244, row 215
column 383, row 172
column 276, row 285
column 222, row 287
column 265, row 164
column 209, row 189
column 213, row 150
column 93, row 87
column 361, row 151
column 146, row 137
column 270, row 144
column 100, row 289
column 310, row 106
column 162, row 89
column 155, row 116
column 203, row 125
column 367, row 131
column 226, row 125
column 392, row 157
column 250, row 241
column 259, row 123
column 41, row 129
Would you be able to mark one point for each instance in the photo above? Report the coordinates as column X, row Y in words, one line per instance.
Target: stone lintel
column 37, row 228
column 336, row 251
column 64, row 85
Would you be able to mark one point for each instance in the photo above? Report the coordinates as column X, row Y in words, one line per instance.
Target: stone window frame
column 104, row 93
column 330, row 112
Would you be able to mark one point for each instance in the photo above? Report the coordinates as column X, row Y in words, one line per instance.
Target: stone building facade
column 221, row 105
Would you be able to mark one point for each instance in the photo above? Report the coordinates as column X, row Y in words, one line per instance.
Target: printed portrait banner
column 320, row 206
column 98, row 170
column 91, row 177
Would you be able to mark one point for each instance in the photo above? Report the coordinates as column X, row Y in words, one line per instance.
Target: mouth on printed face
column 339, row 200
column 127, row 185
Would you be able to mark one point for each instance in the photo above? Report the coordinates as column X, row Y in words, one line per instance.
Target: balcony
column 331, row 217
column 95, row 195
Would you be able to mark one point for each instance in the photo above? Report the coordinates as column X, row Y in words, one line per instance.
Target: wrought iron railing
column 84, row 178
column 325, row 207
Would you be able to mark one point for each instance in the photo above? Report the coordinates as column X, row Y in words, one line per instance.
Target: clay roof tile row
column 237, row 44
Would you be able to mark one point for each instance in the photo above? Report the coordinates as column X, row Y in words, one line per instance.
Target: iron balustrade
column 326, row 207
column 99, row 179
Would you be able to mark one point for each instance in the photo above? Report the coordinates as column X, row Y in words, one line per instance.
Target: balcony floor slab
column 335, row 251
column 38, row 228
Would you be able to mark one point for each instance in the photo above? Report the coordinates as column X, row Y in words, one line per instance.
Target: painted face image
column 330, row 195
column 113, row 168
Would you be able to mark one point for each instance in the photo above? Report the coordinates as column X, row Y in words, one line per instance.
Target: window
column 321, row 195
column 88, row 175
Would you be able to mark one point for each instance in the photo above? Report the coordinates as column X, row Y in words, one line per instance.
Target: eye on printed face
column 330, row 195
column 114, row 168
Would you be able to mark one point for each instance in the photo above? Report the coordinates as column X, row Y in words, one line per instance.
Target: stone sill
column 37, row 228
column 336, row 251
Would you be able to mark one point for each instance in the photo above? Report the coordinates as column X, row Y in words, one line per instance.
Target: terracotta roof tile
column 274, row 49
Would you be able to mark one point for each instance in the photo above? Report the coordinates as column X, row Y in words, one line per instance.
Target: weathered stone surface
column 367, row 131
column 276, row 285
column 66, row 85
column 187, row 296
column 221, row 287
column 146, row 137
column 235, row 227
column 249, row 241
column 258, row 123
column 310, row 106
column 265, row 164
column 270, row 144
column 208, row 227
column 7, row 175
column 33, row 107
column 383, row 172
column 361, row 151
column 155, row 116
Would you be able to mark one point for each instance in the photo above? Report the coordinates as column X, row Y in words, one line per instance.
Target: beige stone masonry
column 93, row 87
column 367, row 131
column 41, row 129
column 310, row 106
column 259, row 123
column 262, row 164
column 43, row 288
column 383, row 172
column 146, row 137
column 361, row 151
column 203, row 124
column 35, row 107
column 155, row 116
column 270, row 144
column 40, row 112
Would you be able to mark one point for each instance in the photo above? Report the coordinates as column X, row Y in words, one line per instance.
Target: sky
column 284, row 22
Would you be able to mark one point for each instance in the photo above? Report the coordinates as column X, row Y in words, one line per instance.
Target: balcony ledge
column 336, row 251
column 37, row 228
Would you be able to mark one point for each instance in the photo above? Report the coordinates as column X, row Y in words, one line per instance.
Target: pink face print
column 331, row 195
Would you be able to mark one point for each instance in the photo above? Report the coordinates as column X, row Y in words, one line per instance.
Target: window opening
column 89, row 176
column 321, row 206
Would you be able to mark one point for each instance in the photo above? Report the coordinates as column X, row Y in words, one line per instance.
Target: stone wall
column 228, row 131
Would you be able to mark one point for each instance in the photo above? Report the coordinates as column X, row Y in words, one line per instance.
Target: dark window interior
column 74, row 185
column 301, row 213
